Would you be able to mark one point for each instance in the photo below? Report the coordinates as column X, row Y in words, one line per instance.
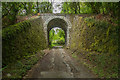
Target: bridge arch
column 57, row 21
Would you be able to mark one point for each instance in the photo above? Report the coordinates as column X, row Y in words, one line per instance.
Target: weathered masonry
column 64, row 21
column 56, row 20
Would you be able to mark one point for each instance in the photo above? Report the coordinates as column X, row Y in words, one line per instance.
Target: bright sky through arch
column 55, row 29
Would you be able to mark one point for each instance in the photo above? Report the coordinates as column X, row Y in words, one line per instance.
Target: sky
column 55, row 29
column 57, row 5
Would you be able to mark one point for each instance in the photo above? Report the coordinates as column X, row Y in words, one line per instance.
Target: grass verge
column 104, row 65
column 19, row 68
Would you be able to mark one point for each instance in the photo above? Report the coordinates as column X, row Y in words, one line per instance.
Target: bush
column 21, row 40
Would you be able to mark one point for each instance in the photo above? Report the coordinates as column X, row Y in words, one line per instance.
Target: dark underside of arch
column 57, row 22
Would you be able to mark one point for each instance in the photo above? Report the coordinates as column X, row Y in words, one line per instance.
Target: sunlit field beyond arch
column 61, row 23
column 56, row 37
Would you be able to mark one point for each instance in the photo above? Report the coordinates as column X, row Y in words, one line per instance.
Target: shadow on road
column 58, row 47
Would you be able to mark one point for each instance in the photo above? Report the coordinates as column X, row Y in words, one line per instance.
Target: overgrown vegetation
column 109, row 8
column 94, row 38
column 21, row 40
column 19, row 68
column 56, row 37
column 97, row 42
column 10, row 10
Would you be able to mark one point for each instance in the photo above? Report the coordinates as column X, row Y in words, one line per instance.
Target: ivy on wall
column 97, row 41
column 21, row 40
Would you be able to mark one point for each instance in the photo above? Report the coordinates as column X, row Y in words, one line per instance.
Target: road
column 59, row 64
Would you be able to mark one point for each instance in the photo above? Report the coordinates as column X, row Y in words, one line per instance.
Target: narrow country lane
column 58, row 64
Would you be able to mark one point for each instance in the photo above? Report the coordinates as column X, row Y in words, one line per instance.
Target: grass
column 56, row 44
column 103, row 65
column 74, row 55
column 19, row 68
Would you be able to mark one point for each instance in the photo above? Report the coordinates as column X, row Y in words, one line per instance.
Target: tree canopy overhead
column 10, row 10
column 111, row 8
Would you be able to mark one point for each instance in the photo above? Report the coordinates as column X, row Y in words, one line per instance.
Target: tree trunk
column 37, row 7
column 29, row 10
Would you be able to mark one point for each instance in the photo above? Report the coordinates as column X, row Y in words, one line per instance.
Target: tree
column 109, row 8
column 37, row 7
column 51, row 35
column 71, row 7
column 45, row 7
column 10, row 10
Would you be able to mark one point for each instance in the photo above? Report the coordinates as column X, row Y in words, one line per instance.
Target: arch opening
column 56, row 37
column 61, row 26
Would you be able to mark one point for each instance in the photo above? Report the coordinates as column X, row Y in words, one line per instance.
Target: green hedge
column 22, row 39
column 103, row 34
column 97, row 41
column 95, row 35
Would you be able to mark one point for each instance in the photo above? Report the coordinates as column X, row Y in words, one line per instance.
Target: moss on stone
column 22, row 39
column 90, row 34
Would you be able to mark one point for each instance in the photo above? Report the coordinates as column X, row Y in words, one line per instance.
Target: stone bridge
column 62, row 21
column 57, row 20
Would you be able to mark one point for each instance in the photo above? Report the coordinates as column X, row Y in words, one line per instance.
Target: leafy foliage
column 10, row 10
column 97, row 41
column 105, row 43
column 45, row 7
column 21, row 40
column 56, row 37
column 91, row 7
column 71, row 7
column 19, row 68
